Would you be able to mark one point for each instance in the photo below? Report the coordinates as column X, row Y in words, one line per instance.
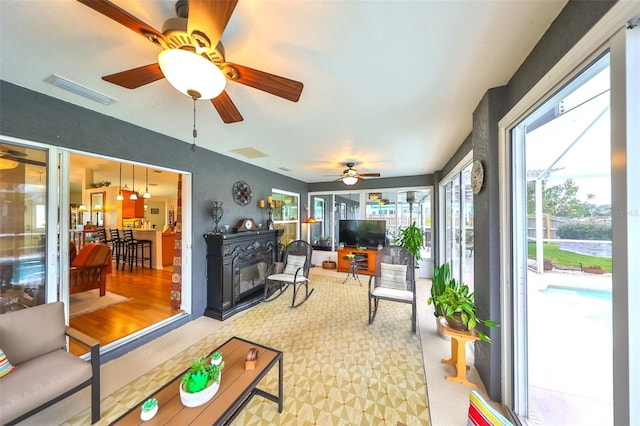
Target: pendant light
column 146, row 181
column 133, row 195
column 120, row 197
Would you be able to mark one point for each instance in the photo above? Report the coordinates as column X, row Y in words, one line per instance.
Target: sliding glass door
column 562, row 175
column 457, row 206
column 23, row 207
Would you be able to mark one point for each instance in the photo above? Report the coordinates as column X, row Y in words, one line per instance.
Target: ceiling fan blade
column 226, row 108
column 369, row 174
column 279, row 86
column 123, row 17
column 209, row 18
column 136, row 77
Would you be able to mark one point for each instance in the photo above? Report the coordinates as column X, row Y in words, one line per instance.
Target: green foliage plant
column 412, row 239
column 441, row 279
column 458, row 299
column 201, row 374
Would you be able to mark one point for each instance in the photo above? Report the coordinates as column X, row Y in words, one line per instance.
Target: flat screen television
column 362, row 233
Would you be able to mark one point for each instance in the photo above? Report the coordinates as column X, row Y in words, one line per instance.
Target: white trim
column 64, row 261
column 187, row 244
column 625, row 200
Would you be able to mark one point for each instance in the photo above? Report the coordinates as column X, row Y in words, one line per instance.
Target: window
column 286, row 207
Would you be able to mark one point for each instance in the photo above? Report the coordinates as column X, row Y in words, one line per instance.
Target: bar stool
column 117, row 247
column 102, row 236
column 131, row 249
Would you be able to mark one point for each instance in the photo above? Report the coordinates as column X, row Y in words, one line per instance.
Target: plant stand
column 458, row 352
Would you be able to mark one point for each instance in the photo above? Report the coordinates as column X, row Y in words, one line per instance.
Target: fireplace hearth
column 236, row 268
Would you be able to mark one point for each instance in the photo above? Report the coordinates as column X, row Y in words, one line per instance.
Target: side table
column 353, row 273
column 458, row 358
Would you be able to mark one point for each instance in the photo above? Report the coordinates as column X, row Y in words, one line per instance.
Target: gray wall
column 32, row 116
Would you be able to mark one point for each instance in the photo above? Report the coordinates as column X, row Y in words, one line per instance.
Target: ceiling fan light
column 350, row 180
column 7, row 164
column 189, row 73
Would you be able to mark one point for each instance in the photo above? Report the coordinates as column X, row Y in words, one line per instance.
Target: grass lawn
column 567, row 258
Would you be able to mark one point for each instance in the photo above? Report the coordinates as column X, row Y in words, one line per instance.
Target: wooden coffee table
column 237, row 387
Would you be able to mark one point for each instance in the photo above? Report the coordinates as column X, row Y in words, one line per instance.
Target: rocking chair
column 293, row 270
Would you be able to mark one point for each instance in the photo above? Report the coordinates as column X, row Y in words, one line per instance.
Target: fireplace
column 236, row 269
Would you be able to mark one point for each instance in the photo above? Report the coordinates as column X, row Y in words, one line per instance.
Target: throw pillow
column 393, row 276
column 293, row 263
column 483, row 414
column 5, row 365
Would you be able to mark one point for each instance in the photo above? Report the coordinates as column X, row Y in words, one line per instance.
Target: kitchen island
column 155, row 236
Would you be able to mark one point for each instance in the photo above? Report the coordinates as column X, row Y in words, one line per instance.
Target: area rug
column 89, row 301
column 338, row 369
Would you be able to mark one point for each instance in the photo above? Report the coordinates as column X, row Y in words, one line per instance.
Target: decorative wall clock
column 241, row 193
column 477, row 176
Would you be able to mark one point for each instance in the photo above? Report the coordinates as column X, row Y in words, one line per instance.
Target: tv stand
column 366, row 267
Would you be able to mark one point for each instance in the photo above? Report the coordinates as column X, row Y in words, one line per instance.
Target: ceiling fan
column 191, row 44
column 11, row 158
column 350, row 176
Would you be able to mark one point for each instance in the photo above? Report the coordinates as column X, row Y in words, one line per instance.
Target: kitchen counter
column 155, row 236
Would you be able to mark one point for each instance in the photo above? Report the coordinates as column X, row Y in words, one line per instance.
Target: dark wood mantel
column 227, row 255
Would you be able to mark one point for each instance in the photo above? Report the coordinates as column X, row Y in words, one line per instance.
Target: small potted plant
column 459, row 309
column 412, row 239
column 149, row 409
column 593, row 269
column 201, row 382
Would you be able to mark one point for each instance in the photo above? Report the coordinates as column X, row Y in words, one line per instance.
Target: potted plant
column 201, row 382
column 441, row 279
column 459, row 309
column 593, row 269
column 412, row 239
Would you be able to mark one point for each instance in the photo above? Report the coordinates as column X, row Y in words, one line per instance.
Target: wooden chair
column 89, row 269
column 293, row 270
column 394, row 280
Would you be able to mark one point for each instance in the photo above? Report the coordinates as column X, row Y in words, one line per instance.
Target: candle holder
column 269, row 207
column 270, row 220
column 216, row 214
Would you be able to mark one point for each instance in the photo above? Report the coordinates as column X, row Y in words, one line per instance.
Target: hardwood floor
column 149, row 291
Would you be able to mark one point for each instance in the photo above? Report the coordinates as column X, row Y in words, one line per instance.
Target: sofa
column 89, row 268
column 38, row 370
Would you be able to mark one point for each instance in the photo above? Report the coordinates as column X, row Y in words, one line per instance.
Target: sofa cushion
column 31, row 332
column 40, row 380
column 5, row 364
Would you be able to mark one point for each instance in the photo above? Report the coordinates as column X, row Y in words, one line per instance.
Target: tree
column 558, row 200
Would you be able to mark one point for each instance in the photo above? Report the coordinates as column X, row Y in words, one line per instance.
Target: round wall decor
column 241, row 193
column 477, row 176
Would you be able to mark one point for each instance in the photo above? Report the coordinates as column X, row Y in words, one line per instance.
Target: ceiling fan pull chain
column 195, row 132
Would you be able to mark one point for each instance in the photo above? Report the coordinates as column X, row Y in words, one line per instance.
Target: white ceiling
column 389, row 85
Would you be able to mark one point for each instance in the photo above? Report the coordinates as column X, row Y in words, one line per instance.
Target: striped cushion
column 393, row 276
column 482, row 414
column 293, row 263
column 5, row 365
